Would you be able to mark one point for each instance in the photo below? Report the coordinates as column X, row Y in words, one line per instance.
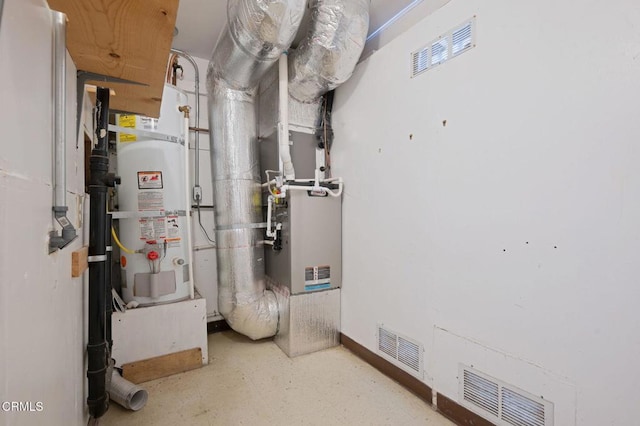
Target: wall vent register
column 401, row 351
column 500, row 402
column 449, row 45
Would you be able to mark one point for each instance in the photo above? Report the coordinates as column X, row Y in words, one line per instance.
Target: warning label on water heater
column 149, row 180
column 127, row 120
column 173, row 228
column 161, row 228
column 153, row 228
column 150, row 200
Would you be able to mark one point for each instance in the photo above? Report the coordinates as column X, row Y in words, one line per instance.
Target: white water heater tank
column 152, row 204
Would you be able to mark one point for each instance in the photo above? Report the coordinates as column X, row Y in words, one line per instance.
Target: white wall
column 42, row 316
column 204, row 255
column 507, row 239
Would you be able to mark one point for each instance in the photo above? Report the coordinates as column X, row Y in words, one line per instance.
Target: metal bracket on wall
column 82, row 78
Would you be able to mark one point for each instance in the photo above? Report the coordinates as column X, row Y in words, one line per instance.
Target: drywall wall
column 382, row 34
column 42, row 309
column 504, row 232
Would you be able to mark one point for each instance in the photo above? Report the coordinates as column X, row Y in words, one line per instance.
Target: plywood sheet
column 162, row 366
column 126, row 39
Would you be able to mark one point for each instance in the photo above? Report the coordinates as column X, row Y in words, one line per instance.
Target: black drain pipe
column 100, row 180
column 108, row 286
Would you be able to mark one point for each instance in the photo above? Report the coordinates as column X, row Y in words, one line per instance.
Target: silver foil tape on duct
column 309, row 322
column 257, row 33
column 327, row 56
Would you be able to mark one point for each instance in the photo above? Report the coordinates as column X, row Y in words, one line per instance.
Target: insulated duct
column 257, row 33
column 328, row 54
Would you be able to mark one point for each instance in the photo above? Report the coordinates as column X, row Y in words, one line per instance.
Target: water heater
column 153, row 203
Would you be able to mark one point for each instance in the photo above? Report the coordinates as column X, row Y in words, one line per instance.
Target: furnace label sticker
column 317, row 277
column 153, row 228
column 127, row 120
column 150, row 200
column 149, row 180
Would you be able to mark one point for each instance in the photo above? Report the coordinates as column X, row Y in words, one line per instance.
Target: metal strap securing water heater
column 146, row 214
column 146, row 134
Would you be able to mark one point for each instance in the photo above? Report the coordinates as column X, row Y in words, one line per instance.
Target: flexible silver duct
column 328, row 54
column 257, row 33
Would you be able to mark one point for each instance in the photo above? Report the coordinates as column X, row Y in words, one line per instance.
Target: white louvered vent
column 481, row 392
column 439, row 51
column 447, row 46
column 420, row 61
column 404, row 352
column 388, row 343
column 461, row 39
column 501, row 402
column 519, row 410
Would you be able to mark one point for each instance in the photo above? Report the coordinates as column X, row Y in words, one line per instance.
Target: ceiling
column 199, row 22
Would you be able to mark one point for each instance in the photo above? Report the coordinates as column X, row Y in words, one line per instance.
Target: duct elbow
column 257, row 319
column 257, row 33
column 328, row 54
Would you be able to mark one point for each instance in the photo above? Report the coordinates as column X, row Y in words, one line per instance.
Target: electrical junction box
column 311, row 255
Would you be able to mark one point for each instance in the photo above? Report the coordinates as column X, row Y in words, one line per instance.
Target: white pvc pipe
column 286, row 188
column 283, row 123
column 127, row 394
column 270, row 199
column 188, row 207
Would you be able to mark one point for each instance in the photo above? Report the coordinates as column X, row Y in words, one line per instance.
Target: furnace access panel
column 311, row 255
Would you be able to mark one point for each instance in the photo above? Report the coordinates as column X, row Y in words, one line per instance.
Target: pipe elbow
column 257, row 319
column 327, row 56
